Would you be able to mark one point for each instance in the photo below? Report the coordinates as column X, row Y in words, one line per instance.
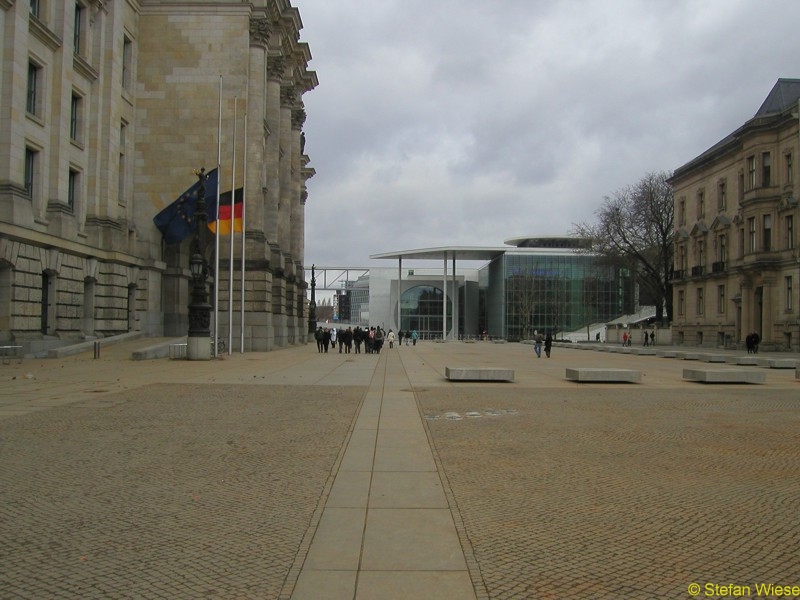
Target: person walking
column 653, row 338
column 379, row 337
column 390, row 338
column 414, row 337
column 548, row 344
column 326, row 339
column 334, row 335
column 537, row 345
column 318, row 335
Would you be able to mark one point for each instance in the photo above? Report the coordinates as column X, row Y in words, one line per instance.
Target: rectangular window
column 700, row 301
column 34, row 83
column 35, row 8
column 723, row 247
column 681, row 303
column 76, row 106
column 701, row 254
column 31, row 167
column 127, row 58
column 721, row 299
column 722, row 195
column 682, row 212
column 123, row 129
column 741, row 186
column 788, row 298
column 766, row 231
column 766, row 169
column 701, row 204
column 751, row 172
column 79, row 28
column 73, row 188
column 751, row 231
column 789, row 168
column 741, row 242
column 789, row 231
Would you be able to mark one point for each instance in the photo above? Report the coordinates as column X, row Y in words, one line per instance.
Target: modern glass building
column 539, row 283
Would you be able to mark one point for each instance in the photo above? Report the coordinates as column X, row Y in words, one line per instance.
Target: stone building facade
column 108, row 106
column 737, row 265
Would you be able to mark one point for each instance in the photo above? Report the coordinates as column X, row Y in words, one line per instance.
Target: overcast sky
column 466, row 122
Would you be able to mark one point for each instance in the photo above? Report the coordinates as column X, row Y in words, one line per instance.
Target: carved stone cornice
column 6, row 4
column 259, row 32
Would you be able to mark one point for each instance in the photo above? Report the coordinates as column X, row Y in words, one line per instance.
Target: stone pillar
column 747, row 310
column 768, row 310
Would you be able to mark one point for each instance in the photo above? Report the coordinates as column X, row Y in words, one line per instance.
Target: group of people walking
column 648, row 338
column 538, row 340
column 372, row 338
column 751, row 342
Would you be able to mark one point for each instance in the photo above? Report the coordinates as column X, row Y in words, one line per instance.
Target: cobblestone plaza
column 168, row 479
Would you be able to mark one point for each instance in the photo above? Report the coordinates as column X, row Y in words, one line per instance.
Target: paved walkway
column 294, row 475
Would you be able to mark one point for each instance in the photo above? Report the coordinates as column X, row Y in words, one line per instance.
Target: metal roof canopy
column 454, row 252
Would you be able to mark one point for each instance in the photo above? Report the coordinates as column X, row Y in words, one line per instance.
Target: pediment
column 720, row 222
column 699, row 229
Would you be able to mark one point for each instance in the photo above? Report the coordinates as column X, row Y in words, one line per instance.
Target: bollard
column 97, row 349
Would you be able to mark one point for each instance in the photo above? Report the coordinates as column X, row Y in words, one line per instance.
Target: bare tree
column 634, row 230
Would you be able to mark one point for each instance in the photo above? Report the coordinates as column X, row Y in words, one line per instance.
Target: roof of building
column 528, row 244
column 784, row 95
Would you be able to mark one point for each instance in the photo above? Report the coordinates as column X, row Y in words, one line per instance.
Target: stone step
column 724, row 376
column 478, row 374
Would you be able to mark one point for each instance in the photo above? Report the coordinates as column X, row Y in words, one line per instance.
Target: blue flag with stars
column 176, row 222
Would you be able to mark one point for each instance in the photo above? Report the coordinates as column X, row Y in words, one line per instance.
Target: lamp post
column 198, row 342
column 312, row 305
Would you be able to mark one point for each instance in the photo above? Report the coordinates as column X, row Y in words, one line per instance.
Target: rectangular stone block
column 713, row 358
column 478, row 374
column 724, row 376
column 782, row 363
column 644, row 352
column 742, row 360
column 667, row 354
column 599, row 375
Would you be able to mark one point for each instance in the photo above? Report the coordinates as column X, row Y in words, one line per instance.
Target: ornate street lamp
column 199, row 338
column 312, row 306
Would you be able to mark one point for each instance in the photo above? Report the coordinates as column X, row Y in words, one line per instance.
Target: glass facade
column 421, row 309
column 554, row 292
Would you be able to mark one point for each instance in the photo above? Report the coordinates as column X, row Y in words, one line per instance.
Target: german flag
column 229, row 211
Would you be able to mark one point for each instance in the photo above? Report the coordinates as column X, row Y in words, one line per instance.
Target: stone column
column 747, row 309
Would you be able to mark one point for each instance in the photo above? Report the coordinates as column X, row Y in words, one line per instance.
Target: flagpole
column 230, row 258
column 214, row 352
column 244, row 214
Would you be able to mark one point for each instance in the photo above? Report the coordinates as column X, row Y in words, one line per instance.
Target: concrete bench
column 9, row 352
column 724, row 376
column 667, row 354
column 644, row 352
column 713, row 358
column 595, row 375
column 777, row 363
column 742, row 360
column 478, row 374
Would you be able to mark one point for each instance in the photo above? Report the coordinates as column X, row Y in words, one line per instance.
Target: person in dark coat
column 548, row 344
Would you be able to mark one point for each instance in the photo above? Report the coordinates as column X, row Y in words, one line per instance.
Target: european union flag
column 176, row 222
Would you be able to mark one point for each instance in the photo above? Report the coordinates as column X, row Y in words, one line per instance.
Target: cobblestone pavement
column 613, row 493
column 166, row 491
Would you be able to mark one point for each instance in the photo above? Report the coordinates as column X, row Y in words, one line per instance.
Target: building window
column 751, row 172
column 723, row 247
column 35, row 8
column 721, row 299
column 700, row 301
column 722, row 195
column 79, row 28
column 73, row 188
column 789, row 299
column 701, row 254
column 789, row 168
column 122, row 167
column 34, row 84
column 682, row 211
column 681, row 303
column 75, row 118
column 741, row 242
column 789, row 231
column 701, row 204
column 766, row 169
column 31, row 168
column 767, row 233
column 127, row 63
column 751, row 231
